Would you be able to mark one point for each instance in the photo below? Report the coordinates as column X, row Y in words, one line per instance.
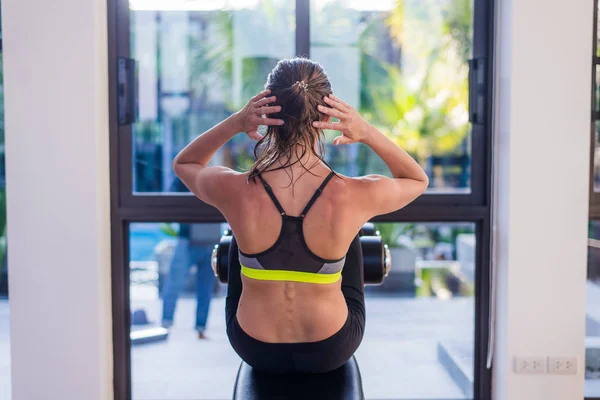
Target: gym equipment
column 142, row 331
column 139, row 317
column 148, row 335
column 345, row 383
column 377, row 259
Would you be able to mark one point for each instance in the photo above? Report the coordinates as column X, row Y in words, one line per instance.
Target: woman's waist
column 288, row 313
column 290, row 275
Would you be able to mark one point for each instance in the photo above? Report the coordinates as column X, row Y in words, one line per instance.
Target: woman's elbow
column 423, row 184
column 176, row 165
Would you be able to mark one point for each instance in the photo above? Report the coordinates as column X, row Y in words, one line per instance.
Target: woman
column 297, row 304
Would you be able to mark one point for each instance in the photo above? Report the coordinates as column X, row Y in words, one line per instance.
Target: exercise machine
column 344, row 383
column 376, row 255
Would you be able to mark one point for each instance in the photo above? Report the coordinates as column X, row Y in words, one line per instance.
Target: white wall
column 55, row 71
column 543, row 126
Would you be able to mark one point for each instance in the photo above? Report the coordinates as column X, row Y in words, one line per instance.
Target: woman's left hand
column 255, row 113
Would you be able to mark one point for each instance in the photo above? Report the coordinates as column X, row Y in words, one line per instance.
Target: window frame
column 476, row 195
column 127, row 208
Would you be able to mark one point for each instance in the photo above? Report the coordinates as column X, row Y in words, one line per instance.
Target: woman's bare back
column 283, row 311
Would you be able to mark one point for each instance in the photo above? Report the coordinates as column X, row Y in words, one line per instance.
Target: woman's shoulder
column 344, row 189
column 348, row 183
column 355, row 194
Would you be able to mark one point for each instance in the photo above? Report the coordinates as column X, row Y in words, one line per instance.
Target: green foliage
column 390, row 232
column 148, row 132
column 254, row 74
column 213, row 59
column 396, row 22
column 457, row 26
column 168, row 229
column 428, row 116
column 421, row 104
column 423, row 110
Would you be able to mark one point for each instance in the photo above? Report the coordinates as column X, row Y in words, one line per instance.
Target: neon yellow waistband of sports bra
column 295, row 276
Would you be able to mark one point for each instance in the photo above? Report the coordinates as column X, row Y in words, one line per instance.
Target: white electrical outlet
column 530, row 365
column 562, row 365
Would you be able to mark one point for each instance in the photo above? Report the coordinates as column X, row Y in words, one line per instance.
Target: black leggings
column 306, row 357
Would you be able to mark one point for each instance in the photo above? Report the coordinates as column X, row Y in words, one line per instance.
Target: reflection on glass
column 592, row 329
column 403, row 65
column 423, row 312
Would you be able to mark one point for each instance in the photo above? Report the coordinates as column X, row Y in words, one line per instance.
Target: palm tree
column 424, row 110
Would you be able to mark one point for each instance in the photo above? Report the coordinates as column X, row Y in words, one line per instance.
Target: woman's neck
column 295, row 157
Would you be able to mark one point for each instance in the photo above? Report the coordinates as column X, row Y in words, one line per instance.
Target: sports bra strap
column 271, row 194
column 317, row 194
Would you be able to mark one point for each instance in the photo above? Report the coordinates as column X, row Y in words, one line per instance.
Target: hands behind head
column 256, row 113
column 352, row 125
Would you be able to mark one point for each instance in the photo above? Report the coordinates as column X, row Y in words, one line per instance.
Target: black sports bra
column 290, row 259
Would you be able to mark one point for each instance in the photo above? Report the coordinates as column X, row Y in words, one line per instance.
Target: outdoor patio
column 399, row 357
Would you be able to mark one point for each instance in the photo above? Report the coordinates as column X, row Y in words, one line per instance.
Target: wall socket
column 562, row 365
column 530, row 365
column 541, row 365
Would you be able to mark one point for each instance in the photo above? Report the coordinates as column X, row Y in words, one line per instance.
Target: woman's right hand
column 352, row 125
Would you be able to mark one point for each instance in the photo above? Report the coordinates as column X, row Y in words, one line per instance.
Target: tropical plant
column 212, row 60
column 391, row 232
column 212, row 70
column 457, row 24
column 423, row 109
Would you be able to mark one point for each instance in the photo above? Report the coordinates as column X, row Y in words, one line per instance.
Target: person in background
column 194, row 248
